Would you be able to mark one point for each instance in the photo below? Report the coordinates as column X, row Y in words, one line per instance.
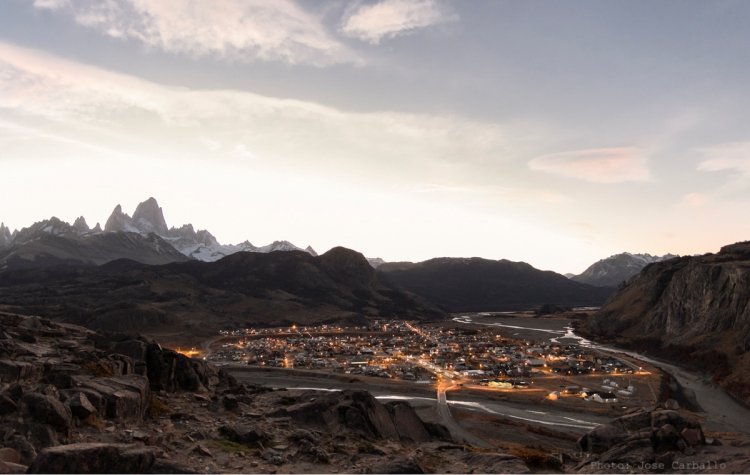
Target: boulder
column 671, row 404
column 692, row 437
column 674, row 418
column 94, row 397
column 95, row 458
column 170, row 371
column 602, row 438
column 47, row 410
column 356, row 411
column 634, row 421
column 126, row 397
column 408, row 424
column 80, row 406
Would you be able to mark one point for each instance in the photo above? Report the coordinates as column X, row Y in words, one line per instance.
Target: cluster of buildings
column 405, row 350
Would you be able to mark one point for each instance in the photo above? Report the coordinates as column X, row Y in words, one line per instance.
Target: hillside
column 474, row 284
column 695, row 310
column 185, row 300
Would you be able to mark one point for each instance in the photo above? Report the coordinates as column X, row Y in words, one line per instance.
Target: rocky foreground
column 76, row 401
column 660, row 440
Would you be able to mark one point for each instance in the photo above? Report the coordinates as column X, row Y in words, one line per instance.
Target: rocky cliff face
column 693, row 308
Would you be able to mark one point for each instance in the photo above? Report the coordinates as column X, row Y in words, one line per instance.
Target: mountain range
column 144, row 237
column 475, row 284
column 183, row 300
column 616, row 269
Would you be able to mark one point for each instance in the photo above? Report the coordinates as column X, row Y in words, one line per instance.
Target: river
column 720, row 411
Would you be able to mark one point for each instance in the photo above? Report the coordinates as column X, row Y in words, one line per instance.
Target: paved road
column 446, row 418
column 719, row 409
column 416, row 393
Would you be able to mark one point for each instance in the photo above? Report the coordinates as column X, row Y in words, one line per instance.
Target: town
column 483, row 359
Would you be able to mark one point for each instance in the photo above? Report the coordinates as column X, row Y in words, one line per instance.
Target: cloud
column 728, row 156
column 135, row 117
column 598, row 165
column 391, row 18
column 694, row 200
column 51, row 4
column 234, row 30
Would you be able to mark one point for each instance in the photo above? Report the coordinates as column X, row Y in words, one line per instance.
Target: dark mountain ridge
column 196, row 299
column 475, row 284
column 692, row 309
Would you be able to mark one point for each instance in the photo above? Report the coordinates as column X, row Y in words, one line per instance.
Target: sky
column 556, row 133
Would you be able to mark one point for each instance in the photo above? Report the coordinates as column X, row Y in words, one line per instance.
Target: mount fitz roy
column 144, row 237
column 201, row 245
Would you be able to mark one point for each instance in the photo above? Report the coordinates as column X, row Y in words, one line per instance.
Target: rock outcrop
column 655, row 441
column 695, row 310
column 57, row 381
column 358, row 411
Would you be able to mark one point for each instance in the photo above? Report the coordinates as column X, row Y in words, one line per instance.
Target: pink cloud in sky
column 597, row 165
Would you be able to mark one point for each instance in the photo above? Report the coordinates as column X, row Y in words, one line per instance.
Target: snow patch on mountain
column 618, row 268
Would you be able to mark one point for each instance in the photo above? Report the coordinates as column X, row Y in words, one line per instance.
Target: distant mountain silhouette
column 199, row 298
column 475, row 284
column 614, row 270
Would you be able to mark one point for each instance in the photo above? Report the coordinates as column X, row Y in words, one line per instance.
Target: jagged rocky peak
column 204, row 237
column 149, row 217
column 5, row 236
column 186, row 231
column 97, row 228
column 311, row 251
column 119, row 221
column 80, row 224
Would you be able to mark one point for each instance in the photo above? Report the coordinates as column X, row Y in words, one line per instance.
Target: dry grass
column 94, row 421
column 157, row 407
column 534, row 457
column 229, row 446
column 98, row 370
